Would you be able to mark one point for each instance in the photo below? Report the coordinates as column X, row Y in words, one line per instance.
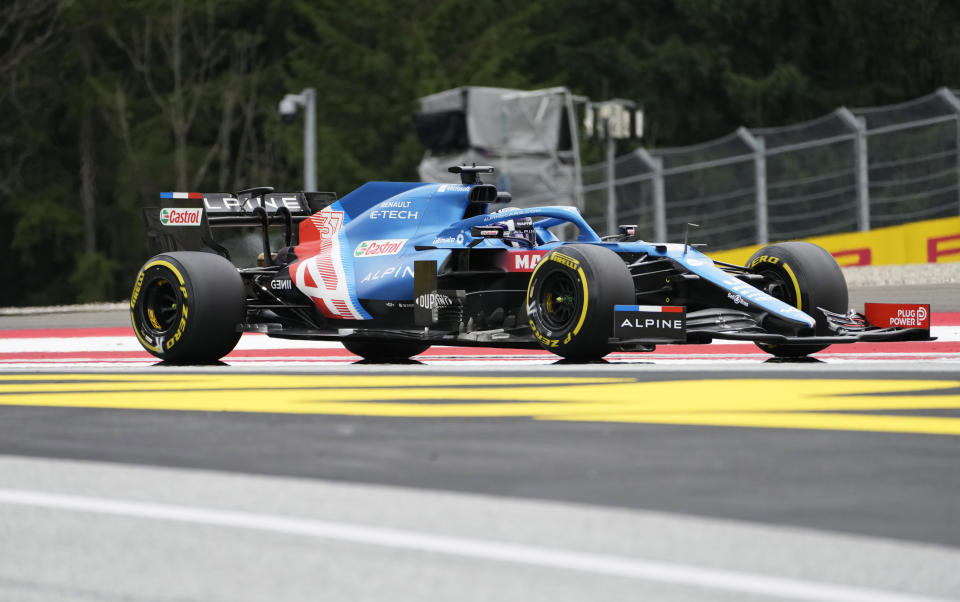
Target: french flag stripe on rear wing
column 181, row 195
column 670, row 309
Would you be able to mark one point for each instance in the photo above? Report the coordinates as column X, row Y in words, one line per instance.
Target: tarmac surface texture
column 678, row 478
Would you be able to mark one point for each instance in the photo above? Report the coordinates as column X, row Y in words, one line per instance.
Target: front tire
column 807, row 277
column 187, row 307
column 571, row 296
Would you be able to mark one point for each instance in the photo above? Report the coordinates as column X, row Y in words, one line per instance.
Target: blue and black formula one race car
column 395, row 267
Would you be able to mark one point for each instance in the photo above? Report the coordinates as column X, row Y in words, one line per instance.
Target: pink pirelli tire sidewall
column 188, row 307
column 571, row 297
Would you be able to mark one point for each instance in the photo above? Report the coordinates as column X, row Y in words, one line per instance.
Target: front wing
column 652, row 324
column 698, row 327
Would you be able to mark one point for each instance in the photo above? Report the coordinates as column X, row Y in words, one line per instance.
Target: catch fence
column 853, row 169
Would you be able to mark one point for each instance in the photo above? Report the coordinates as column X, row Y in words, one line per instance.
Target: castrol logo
column 181, row 217
column 375, row 248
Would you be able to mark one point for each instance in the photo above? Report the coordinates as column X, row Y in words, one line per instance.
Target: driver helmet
column 521, row 227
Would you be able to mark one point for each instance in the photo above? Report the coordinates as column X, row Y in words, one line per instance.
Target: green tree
column 105, row 103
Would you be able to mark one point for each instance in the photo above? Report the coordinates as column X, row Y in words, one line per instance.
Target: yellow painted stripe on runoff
column 767, row 403
column 125, row 383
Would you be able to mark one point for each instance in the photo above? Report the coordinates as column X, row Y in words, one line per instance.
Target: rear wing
column 184, row 221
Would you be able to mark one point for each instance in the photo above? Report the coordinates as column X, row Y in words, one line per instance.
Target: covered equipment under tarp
column 530, row 137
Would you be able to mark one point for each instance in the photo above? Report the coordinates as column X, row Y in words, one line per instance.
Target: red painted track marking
column 51, row 333
column 939, row 319
column 884, row 350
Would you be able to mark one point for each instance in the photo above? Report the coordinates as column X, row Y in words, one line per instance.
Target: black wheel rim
column 559, row 301
column 161, row 307
column 777, row 287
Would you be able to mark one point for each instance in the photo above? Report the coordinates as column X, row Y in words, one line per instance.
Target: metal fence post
column 568, row 100
column 310, row 140
column 859, row 126
column 655, row 164
column 954, row 104
column 611, row 189
column 759, row 148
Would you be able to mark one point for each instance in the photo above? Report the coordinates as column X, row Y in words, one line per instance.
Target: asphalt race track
column 293, row 472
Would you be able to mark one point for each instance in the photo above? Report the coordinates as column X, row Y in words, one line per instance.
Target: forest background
column 105, row 103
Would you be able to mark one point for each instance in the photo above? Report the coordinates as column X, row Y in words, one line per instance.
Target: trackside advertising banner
column 931, row 241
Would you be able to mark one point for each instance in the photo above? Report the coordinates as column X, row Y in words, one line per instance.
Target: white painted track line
column 604, row 564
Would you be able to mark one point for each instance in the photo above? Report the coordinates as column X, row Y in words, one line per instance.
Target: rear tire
column 805, row 276
column 571, row 296
column 187, row 307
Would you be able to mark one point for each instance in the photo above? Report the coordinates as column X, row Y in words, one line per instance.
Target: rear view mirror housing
column 492, row 231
